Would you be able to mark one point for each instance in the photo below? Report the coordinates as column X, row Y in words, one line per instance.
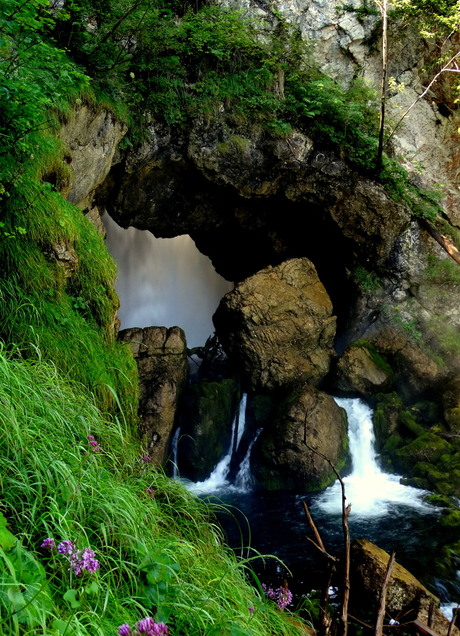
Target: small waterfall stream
column 218, row 479
column 370, row 491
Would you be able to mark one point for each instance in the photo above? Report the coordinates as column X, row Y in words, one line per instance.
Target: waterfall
column 164, row 282
column 174, row 454
column 370, row 491
column 218, row 479
column 244, row 480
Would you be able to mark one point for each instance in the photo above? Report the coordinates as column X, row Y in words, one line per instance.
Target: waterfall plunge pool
column 387, row 513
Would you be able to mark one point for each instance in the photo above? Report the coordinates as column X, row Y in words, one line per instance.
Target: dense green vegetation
column 63, row 376
column 159, row 553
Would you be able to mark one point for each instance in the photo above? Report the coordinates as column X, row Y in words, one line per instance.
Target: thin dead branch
column 346, row 536
column 383, row 595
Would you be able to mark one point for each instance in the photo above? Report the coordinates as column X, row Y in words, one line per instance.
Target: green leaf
column 7, row 539
column 71, row 597
column 92, row 588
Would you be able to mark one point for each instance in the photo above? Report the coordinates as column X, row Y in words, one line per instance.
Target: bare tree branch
column 383, row 594
column 346, row 535
column 444, row 69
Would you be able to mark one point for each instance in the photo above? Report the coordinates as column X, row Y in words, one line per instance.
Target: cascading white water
column 174, row 452
column 244, row 480
column 217, row 480
column 370, row 491
column 164, row 282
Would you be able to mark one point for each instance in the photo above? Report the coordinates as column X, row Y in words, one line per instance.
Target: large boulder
column 416, row 370
column 161, row 356
column 406, row 598
column 362, row 370
column 277, row 326
column 282, row 458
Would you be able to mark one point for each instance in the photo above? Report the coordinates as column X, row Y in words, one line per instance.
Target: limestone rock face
column 357, row 371
column 427, row 137
column 281, row 459
column 65, row 256
column 277, row 326
column 242, row 185
column 406, row 596
column 92, row 138
column 161, row 356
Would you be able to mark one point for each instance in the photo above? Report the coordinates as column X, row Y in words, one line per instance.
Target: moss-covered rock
column 361, row 369
column 206, row 417
column 283, row 459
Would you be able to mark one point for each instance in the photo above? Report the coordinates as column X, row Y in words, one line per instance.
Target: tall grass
column 160, row 554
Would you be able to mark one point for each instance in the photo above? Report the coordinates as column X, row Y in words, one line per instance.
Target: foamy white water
column 370, row 491
column 244, row 479
column 448, row 609
column 164, row 282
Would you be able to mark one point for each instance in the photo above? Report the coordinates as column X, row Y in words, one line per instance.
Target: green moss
column 428, row 447
column 234, row 143
column 409, row 424
column 394, row 442
column 451, row 519
column 377, row 358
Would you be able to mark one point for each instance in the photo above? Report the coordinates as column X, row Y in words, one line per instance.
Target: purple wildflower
column 251, row 610
column 48, row 543
column 150, row 492
column 146, row 459
column 79, row 560
column 66, row 547
column 88, row 561
column 148, row 626
column 281, row 595
column 124, row 630
column 95, row 446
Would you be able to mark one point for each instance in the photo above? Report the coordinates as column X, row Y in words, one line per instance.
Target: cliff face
column 252, row 200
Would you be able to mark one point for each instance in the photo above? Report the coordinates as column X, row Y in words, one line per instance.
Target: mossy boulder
column 282, row 458
column 362, row 370
column 386, row 418
column 277, row 327
column 206, row 418
column 428, row 448
column 161, row 357
column 406, row 596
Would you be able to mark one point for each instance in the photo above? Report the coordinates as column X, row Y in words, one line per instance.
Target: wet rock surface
column 161, row 357
column 277, row 326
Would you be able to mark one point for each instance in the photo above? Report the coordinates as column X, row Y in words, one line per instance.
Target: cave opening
column 164, row 282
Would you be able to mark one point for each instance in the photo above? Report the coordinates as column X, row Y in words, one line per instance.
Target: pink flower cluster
column 281, row 595
column 79, row 560
column 145, row 626
column 95, row 446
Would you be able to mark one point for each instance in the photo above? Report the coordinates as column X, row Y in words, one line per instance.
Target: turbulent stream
column 384, row 511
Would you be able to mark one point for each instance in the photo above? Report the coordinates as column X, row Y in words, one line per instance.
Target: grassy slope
column 63, row 376
column 158, row 551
